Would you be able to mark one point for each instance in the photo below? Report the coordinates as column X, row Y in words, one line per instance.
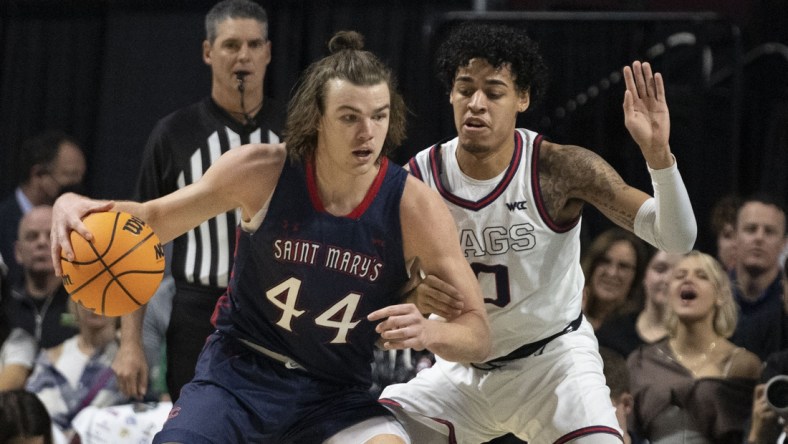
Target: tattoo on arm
column 575, row 173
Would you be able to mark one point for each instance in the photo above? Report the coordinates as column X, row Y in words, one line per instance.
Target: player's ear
column 524, row 100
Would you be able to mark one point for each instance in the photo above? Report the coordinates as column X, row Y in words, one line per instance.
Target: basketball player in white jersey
column 517, row 201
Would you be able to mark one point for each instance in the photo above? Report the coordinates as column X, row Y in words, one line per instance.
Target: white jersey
column 528, row 266
column 529, row 270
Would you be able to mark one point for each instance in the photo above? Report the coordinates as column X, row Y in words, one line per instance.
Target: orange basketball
column 119, row 270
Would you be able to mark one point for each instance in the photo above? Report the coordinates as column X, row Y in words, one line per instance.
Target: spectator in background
column 722, row 222
column 77, row 373
column 695, row 385
column 52, row 163
column 613, row 267
column 766, row 426
column 760, row 239
column 626, row 333
column 17, row 347
column 180, row 149
column 39, row 303
column 4, row 286
column 17, row 352
column 154, row 337
column 23, row 419
column 617, row 379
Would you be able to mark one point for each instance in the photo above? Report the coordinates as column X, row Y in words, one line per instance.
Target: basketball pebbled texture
column 120, row 270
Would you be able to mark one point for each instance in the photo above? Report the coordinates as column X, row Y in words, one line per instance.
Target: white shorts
column 366, row 430
column 554, row 396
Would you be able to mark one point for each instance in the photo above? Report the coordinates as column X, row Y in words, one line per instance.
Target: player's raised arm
column 242, row 178
column 665, row 220
column 430, row 234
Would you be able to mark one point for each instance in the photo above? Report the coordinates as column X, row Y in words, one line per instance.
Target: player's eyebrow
column 488, row 81
column 357, row 110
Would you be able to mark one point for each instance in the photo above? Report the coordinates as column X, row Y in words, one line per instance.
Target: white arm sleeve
column 666, row 220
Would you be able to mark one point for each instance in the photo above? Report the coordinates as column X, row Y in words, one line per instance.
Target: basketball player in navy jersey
column 328, row 225
column 181, row 147
column 517, row 200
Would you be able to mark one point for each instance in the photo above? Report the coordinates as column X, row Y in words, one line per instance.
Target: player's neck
column 340, row 193
column 482, row 163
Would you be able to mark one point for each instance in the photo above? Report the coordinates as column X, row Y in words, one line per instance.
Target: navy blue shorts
column 239, row 395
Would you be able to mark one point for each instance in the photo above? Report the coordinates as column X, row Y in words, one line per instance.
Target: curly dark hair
column 498, row 44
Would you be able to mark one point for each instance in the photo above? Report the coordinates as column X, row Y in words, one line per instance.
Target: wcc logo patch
column 520, row 205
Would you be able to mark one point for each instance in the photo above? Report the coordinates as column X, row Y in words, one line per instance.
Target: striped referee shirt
column 180, row 149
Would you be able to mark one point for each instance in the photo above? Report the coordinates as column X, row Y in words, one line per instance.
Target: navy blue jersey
column 305, row 281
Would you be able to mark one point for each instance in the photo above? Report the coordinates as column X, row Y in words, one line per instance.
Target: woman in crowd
column 612, row 265
column 694, row 385
column 626, row 333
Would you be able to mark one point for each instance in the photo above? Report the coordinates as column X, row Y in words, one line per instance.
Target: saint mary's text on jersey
column 338, row 259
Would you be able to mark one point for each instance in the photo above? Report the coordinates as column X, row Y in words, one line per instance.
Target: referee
column 179, row 150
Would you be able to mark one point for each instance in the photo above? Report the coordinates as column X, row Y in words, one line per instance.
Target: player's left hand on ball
column 67, row 214
column 403, row 326
column 433, row 295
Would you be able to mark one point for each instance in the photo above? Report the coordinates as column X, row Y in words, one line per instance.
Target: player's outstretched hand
column 67, row 214
column 433, row 295
column 646, row 113
column 402, row 326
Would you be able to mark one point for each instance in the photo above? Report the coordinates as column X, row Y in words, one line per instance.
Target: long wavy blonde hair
column 725, row 314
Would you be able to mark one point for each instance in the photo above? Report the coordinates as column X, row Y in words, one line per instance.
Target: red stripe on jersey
column 448, row 424
column 390, row 402
column 588, row 431
column 222, row 302
column 414, row 169
column 311, row 184
column 537, row 192
column 436, row 167
column 372, row 192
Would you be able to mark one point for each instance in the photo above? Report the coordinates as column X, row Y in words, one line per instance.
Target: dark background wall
column 106, row 70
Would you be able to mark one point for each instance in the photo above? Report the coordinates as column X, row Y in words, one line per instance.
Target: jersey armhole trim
column 537, row 192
